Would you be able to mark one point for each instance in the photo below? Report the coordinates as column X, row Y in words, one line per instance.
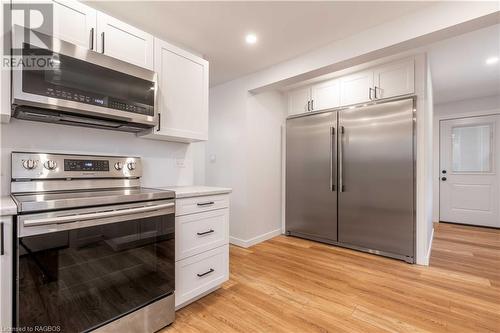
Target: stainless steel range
column 95, row 250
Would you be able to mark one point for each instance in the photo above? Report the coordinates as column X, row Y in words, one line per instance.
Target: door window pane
column 471, row 148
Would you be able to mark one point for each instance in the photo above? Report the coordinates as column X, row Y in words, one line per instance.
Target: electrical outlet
column 180, row 162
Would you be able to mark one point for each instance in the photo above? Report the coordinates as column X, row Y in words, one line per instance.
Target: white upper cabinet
column 395, row 79
column 182, row 99
column 74, row 22
column 356, row 88
column 325, row 95
column 125, row 42
column 385, row 81
column 299, row 100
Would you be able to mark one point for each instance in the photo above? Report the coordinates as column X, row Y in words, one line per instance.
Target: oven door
column 80, row 269
column 61, row 76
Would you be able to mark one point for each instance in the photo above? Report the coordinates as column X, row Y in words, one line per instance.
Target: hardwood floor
column 292, row 285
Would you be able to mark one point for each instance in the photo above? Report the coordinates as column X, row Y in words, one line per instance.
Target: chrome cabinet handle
column 308, row 105
column 201, row 204
column 211, row 270
column 2, row 240
column 370, row 93
column 93, row 216
column 102, row 42
column 376, row 92
column 91, row 42
column 205, row 232
column 312, row 104
column 341, row 159
column 333, row 143
column 159, row 122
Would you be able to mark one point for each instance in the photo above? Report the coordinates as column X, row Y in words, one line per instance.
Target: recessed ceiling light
column 491, row 60
column 251, row 39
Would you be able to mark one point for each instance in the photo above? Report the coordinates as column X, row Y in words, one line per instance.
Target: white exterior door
column 470, row 167
column 325, row 95
column 125, row 42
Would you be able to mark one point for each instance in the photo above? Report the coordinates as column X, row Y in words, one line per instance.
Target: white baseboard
column 255, row 240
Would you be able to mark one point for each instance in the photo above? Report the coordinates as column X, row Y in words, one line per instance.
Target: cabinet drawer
column 200, row 232
column 201, row 204
column 197, row 274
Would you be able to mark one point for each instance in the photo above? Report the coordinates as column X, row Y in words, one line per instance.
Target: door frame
column 437, row 152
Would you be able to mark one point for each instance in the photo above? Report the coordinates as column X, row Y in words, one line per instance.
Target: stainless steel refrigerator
column 350, row 178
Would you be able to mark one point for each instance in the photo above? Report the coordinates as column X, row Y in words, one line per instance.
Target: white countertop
column 7, row 206
column 196, row 191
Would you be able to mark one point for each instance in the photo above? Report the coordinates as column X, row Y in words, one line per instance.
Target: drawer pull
column 201, row 204
column 211, row 270
column 205, row 232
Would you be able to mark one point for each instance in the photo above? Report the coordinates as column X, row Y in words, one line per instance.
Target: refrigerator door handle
column 341, row 159
column 333, row 153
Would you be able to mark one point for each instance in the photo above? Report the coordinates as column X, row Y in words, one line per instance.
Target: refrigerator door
column 376, row 202
column 311, row 177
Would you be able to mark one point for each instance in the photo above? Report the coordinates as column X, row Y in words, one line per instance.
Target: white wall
column 456, row 109
column 159, row 158
column 245, row 140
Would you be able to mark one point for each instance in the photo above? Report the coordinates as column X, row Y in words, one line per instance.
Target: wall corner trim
column 255, row 240
column 429, row 250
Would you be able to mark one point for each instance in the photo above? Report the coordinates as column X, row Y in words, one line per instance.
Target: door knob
column 443, row 179
column 444, row 171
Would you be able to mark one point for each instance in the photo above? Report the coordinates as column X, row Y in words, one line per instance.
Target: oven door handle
column 94, row 216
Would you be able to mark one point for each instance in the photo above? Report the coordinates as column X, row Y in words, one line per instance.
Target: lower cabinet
column 200, row 273
column 201, row 246
column 6, row 262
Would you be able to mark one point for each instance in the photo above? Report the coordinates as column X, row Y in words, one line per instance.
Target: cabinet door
column 355, row 88
column 75, row 23
column 6, row 263
column 298, row 100
column 325, row 95
column 125, row 42
column 197, row 233
column 395, row 79
column 182, row 93
column 200, row 273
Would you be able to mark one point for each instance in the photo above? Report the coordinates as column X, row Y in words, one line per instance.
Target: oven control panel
column 86, row 165
column 34, row 166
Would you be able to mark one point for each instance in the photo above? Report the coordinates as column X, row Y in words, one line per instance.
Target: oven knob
column 131, row 166
column 50, row 165
column 29, row 164
column 118, row 165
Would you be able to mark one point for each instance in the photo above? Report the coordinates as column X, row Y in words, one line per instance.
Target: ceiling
column 285, row 30
column 458, row 66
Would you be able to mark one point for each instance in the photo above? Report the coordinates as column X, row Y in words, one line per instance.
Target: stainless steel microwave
column 59, row 82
